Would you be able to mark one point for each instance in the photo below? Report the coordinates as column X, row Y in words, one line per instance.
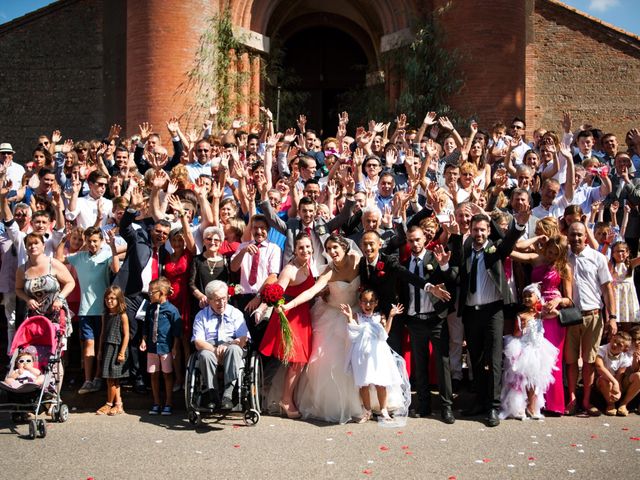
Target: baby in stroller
column 25, row 370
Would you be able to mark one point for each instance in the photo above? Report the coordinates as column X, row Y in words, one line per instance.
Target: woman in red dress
column 295, row 278
column 178, row 270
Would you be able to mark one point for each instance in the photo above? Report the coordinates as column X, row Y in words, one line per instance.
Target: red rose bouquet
column 273, row 295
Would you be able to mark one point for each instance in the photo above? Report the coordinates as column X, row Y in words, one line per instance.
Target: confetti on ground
column 486, row 460
column 198, row 452
column 452, row 477
column 349, row 433
column 158, row 441
column 625, row 429
column 634, row 438
column 367, row 471
column 272, row 425
column 532, row 458
column 594, row 436
column 478, row 461
column 571, row 470
column 510, row 466
column 580, row 451
column 329, row 439
column 408, row 453
column 399, row 433
column 548, row 435
column 369, row 461
column 535, row 443
column 603, row 451
column 383, row 448
column 331, row 463
column 533, row 436
column 532, row 464
column 443, row 439
column 405, row 447
column 606, row 424
column 236, row 446
column 520, row 453
column 574, row 444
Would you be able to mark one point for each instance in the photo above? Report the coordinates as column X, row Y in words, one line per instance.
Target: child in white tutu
column 371, row 359
column 529, row 361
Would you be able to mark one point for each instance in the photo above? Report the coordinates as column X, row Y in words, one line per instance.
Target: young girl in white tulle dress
column 371, row 359
column 530, row 360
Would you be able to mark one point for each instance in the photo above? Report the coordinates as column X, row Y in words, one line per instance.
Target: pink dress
column 554, row 332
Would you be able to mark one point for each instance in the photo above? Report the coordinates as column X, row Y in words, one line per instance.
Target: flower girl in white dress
column 371, row 359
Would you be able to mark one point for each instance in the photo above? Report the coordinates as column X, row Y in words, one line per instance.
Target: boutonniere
column 380, row 269
column 429, row 267
column 490, row 250
column 321, row 230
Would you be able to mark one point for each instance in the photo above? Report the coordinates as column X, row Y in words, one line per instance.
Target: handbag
column 570, row 316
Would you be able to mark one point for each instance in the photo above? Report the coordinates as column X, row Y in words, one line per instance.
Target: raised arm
column 307, row 295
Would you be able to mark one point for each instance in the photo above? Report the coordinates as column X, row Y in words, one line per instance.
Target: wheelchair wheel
column 191, row 380
column 256, row 387
column 194, row 418
column 251, row 417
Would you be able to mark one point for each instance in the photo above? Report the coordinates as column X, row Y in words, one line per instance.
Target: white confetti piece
column 605, row 424
column 520, row 453
column 443, row 439
column 535, row 443
column 481, row 429
column 331, row 463
column 198, row 452
column 578, row 444
column 479, row 461
column 510, row 466
column 548, row 435
column 532, row 464
column 571, row 470
column 329, row 439
column 603, row 451
column 369, row 461
column 637, row 449
column 580, row 451
column 272, row 425
column 158, row 441
column 533, row 436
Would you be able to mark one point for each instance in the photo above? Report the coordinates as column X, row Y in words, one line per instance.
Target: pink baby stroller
column 44, row 340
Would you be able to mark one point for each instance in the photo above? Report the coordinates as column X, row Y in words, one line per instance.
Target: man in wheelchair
column 220, row 335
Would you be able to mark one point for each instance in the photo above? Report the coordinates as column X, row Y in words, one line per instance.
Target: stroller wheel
column 251, row 417
column 32, row 429
column 195, row 418
column 63, row 413
column 42, row 428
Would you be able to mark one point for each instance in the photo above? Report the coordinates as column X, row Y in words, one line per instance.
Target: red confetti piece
column 625, row 429
column 399, row 433
column 236, row 426
column 384, row 448
column 574, row 444
column 634, row 438
column 236, row 446
column 405, row 447
column 349, row 433
column 486, row 460
column 594, row 436
column 367, row 471
column 532, row 458
column 452, row 477
column 408, row 453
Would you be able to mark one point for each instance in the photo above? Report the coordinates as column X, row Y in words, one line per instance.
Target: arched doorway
column 327, row 62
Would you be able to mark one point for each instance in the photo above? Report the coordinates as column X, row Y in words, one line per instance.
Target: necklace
column 212, row 263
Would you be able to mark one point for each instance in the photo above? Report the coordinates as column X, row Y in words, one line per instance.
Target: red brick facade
column 80, row 65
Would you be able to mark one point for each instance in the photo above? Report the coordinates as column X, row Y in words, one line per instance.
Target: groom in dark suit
column 380, row 273
column 483, row 293
column 426, row 319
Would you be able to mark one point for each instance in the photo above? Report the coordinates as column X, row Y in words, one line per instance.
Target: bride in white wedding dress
column 326, row 391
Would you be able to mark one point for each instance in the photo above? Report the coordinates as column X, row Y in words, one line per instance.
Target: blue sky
column 624, row 14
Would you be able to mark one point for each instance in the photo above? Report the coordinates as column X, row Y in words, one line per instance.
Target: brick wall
column 52, row 74
column 580, row 65
column 491, row 38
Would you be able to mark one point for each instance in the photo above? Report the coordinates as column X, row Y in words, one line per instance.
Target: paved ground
column 137, row 445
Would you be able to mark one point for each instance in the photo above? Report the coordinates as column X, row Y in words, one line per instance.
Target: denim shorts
column 90, row 327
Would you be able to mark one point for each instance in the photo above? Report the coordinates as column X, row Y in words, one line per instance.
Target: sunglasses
column 102, row 184
column 519, row 127
column 25, row 360
column 202, row 150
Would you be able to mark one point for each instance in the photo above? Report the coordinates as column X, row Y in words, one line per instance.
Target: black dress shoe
column 493, row 420
column 420, row 413
column 139, row 387
column 474, row 411
column 447, row 416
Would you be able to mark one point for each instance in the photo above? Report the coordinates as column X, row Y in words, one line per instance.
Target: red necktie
column 253, row 274
column 308, row 230
column 508, row 268
column 155, row 266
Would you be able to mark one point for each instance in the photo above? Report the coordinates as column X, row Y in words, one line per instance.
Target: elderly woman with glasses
column 208, row 266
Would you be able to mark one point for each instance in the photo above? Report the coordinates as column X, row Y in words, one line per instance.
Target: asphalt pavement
column 136, row 445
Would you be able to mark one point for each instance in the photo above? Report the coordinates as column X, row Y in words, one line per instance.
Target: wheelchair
column 250, row 389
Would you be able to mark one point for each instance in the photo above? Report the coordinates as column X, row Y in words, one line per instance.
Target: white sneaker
column 86, row 387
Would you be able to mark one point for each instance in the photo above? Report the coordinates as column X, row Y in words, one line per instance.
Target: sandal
column 116, row 410
column 571, row 409
column 385, row 415
column 365, row 417
column 105, row 409
column 622, row 411
column 593, row 411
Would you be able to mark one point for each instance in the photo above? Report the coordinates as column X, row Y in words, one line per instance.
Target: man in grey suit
column 318, row 228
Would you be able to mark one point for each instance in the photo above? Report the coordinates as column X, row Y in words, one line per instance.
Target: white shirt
column 425, row 302
column 556, row 209
column 86, row 211
column 623, row 360
column 15, row 172
column 486, row 290
column 270, row 255
column 590, row 272
column 207, row 325
column 51, row 241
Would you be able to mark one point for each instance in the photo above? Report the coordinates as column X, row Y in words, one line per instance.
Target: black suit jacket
column 494, row 255
column 383, row 280
column 432, row 273
column 139, row 250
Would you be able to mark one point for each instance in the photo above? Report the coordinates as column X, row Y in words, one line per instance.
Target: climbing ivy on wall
column 213, row 78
